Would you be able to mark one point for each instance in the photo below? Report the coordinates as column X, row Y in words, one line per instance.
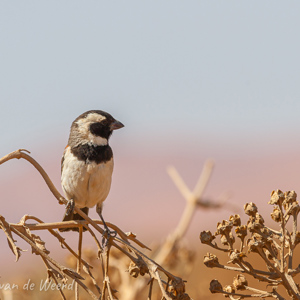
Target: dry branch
column 173, row 288
column 275, row 248
column 192, row 201
column 171, row 252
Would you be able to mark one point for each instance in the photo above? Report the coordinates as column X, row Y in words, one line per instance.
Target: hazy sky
column 224, row 70
column 212, row 77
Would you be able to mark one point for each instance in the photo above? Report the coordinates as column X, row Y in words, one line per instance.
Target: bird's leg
column 110, row 233
column 70, row 207
column 107, row 232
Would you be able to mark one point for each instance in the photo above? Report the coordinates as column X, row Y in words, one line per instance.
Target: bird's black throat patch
column 101, row 129
column 92, row 153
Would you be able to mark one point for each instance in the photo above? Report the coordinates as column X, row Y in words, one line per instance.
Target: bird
column 87, row 164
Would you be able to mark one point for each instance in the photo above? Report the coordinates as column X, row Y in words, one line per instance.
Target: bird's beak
column 116, row 125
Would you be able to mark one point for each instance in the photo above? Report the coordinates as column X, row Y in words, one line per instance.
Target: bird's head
column 93, row 127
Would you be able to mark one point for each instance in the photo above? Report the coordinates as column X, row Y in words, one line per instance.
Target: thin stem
column 283, row 240
column 78, row 261
column 150, row 289
column 52, row 274
column 161, row 286
column 23, row 230
column 63, row 269
column 192, row 199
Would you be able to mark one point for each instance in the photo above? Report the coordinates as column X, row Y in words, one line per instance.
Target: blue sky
column 215, row 70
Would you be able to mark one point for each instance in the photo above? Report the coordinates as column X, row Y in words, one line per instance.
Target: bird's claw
column 70, row 207
column 113, row 234
column 107, row 234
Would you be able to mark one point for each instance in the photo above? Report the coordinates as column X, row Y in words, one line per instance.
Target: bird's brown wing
column 63, row 158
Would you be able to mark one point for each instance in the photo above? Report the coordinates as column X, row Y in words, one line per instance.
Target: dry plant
column 117, row 254
column 275, row 248
column 170, row 286
column 172, row 253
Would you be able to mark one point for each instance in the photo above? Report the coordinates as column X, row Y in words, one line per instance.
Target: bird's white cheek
column 84, row 129
column 96, row 140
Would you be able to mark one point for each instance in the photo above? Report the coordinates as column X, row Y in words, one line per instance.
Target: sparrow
column 87, row 163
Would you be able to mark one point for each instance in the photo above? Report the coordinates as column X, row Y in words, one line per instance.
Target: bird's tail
column 74, row 216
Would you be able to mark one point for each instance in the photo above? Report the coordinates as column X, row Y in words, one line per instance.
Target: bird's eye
column 104, row 122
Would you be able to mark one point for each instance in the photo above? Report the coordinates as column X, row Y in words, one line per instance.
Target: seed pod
column 215, row 286
column 250, row 209
column 241, row 231
column 276, row 214
column 236, row 220
column 176, row 287
column 235, row 256
column 277, row 197
column 229, row 289
column 206, row 237
column 240, row 282
column 224, row 227
column 211, row 260
column 290, row 196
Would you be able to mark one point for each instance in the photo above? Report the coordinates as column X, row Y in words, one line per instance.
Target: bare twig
column 275, row 248
column 78, row 261
column 192, row 199
column 143, row 264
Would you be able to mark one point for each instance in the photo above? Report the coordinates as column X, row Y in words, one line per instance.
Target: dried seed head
column 236, row 220
column 290, row 202
column 215, row 286
column 290, row 196
column 250, row 209
column 184, row 297
column 276, row 214
column 240, row 282
column 259, row 219
column 206, row 237
column 229, row 289
column 176, row 287
column 277, row 197
column 133, row 270
column 252, row 225
column 227, row 239
column 140, row 268
column 254, row 245
column 236, row 256
column 224, row 227
column 211, row 260
column 241, row 231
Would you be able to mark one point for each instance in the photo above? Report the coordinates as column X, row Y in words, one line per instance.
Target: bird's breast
column 87, row 183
